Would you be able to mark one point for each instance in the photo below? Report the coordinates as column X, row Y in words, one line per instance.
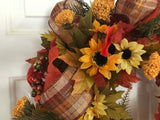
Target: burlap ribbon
column 58, row 98
column 136, row 10
column 65, row 35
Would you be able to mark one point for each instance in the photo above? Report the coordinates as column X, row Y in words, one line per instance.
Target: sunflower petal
column 99, row 47
column 129, row 69
column 92, row 71
column 124, row 43
column 106, row 73
column 103, row 28
column 118, row 69
column 113, row 59
column 124, row 64
column 118, row 47
column 96, row 24
column 93, row 44
column 85, row 58
column 87, row 51
column 86, row 65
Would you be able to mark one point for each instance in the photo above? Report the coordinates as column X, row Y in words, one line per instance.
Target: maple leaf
column 81, row 33
column 99, row 80
column 82, row 82
column 53, row 72
column 127, row 79
column 42, row 52
column 49, row 36
column 108, row 41
column 115, row 111
column 61, row 46
column 123, row 29
column 45, row 43
column 157, row 116
column 72, row 58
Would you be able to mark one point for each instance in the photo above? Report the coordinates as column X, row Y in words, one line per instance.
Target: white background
column 21, row 23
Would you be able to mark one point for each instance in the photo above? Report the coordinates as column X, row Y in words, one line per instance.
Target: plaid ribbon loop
column 59, row 100
column 136, row 10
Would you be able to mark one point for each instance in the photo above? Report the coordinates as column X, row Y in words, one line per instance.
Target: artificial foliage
column 90, row 52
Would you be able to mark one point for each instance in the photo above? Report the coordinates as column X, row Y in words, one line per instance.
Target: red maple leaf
column 144, row 41
column 108, row 41
column 99, row 80
column 127, row 79
column 123, row 30
column 53, row 72
column 115, row 35
column 157, row 116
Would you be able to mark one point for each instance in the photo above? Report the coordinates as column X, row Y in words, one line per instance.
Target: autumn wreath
column 90, row 51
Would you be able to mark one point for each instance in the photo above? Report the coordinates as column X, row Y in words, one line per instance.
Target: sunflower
column 98, row 27
column 97, row 108
column 94, row 61
column 131, row 56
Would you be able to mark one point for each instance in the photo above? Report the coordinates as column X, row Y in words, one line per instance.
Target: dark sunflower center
column 112, row 49
column 99, row 59
column 126, row 54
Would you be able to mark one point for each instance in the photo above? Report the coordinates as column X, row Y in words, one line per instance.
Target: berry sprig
column 37, row 87
column 38, row 82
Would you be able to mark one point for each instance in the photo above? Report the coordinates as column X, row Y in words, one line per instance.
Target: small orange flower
column 64, row 17
column 101, row 9
column 19, row 107
column 152, row 66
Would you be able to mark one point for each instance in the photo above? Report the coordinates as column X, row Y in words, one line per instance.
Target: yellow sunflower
column 94, row 61
column 131, row 56
column 98, row 27
column 97, row 108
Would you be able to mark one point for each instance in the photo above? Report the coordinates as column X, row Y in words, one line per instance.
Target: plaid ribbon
column 59, row 100
column 136, row 10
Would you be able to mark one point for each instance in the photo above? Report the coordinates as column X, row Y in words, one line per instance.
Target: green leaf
column 61, row 46
column 72, row 58
column 86, row 23
column 79, row 38
column 115, row 111
column 147, row 29
column 49, row 36
column 82, row 82
column 82, row 33
column 114, row 97
column 45, row 43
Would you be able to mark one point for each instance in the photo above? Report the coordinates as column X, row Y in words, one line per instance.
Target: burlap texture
column 136, row 10
column 59, row 100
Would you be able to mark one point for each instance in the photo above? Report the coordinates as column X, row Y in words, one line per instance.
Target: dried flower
column 19, row 107
column 101, row 9
column 152, row 66
column 64, row 17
